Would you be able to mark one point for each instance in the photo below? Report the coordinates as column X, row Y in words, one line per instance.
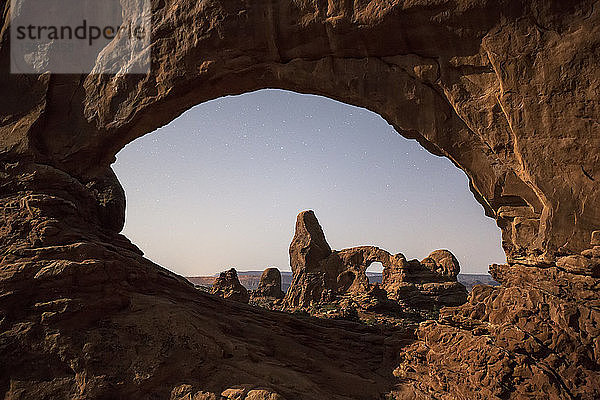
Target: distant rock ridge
column 251, row 279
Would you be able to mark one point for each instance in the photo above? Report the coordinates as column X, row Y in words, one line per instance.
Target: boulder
column 228, row 286
column 270, row 284
column 442, row 262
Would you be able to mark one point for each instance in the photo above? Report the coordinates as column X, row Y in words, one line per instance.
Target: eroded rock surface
column 83, row 315
column 536, row 336
column 442, row 262
column 228, row 286
column 310, row 282
column 442, row 72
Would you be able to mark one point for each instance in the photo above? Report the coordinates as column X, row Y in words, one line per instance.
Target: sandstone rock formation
column 538, row 335
column 308, row 250
column 270, row 284
column 320, row 273
column 430, row 283
column 94, row 319
column 228, row 286
column 187, row 392
column 441, row 72
column 508, row 90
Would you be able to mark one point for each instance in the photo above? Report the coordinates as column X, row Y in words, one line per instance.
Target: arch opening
column 262, row 157
column 374, row 272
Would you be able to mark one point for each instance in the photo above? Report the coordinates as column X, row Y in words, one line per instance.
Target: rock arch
column 320, row 274
column 507, row 90
column 443, row 74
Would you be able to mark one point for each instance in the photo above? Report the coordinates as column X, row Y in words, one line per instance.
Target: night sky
column 221, row 186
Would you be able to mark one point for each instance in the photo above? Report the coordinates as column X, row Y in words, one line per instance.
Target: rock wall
column 508, row 90
column 537, row 336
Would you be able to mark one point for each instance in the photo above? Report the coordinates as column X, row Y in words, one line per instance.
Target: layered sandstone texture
column 508, row 90
column 321, row 274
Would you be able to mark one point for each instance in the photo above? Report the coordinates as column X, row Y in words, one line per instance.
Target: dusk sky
column 221, row 186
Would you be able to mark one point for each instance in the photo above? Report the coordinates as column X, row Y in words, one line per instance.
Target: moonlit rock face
column 443, row 262
column 308, row 246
